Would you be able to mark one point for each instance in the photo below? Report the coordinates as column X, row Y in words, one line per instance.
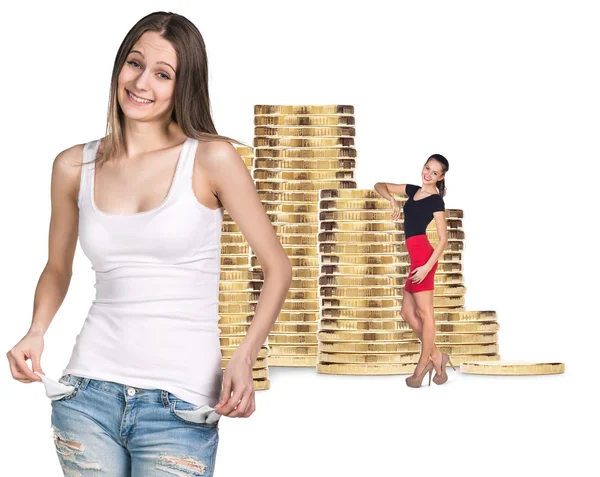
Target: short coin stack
column 363, row 267
column 238, row 288
column 299, row 150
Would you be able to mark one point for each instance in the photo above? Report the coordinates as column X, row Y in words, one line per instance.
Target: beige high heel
column 442, row 378
column 415, row 381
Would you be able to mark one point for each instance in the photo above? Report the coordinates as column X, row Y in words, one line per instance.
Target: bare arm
column 235, row 189
column 55, row 278
column 386, row 189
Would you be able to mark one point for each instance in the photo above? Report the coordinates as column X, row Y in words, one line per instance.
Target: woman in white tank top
column 143, row 391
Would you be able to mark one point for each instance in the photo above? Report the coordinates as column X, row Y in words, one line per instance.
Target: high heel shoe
column 443, row 377
column 415, row 381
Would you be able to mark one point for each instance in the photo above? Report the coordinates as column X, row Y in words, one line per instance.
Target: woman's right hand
column 30, row 347
column 396, row 209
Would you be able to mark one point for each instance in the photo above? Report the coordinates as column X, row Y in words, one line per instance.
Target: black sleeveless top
column 419, row 213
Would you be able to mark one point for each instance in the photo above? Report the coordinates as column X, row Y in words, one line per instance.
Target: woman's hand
column 419, row 273
column 395, row 209
column 237, row 379
column 30, row 347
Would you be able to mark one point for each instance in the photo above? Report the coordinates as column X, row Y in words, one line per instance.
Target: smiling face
column 432, row 172
column 146, row 82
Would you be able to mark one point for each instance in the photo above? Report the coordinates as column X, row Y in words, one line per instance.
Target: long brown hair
column 441, row 185
column 191, row 110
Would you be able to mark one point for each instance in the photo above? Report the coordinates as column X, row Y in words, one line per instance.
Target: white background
column 507, row 91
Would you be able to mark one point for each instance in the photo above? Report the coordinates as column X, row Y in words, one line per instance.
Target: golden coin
column 411, row 358
column 295, row 261
column 302, row 229
column 313, row 153
column 236, row 308
column 304, row 120
column 278, row 218
column 323, row 131
column 295, row 339
column 378, row 226
column 303, row 185
column 380, row 248
column 382, row 259
column 368, row 237
column 238, row 239
column 467, row 338
column 291, row 207
column 292, row 350
column 372, row 215
column 230, row 341
column 302, row 175
column 369, row 347
column 357, row 204
column 240, row 286
column 262, row 384
column 233, row 329
column 395, row 269
column 260, row 363
column 286, row 327
column 229, row 262
column 230, row 228
column 238, row 297
column 301, row 305
column 241, row 275
column 227, row 353
column 326, row 163
column 302, row 142
column 305, row 316
column 457, row 360
column 234, row 319
column 376, row 302
column 512, row 368
column 365, row 369
column 296, row 239
column 235, row 249
column 286, row 196
column 475, row 349
column 390, row 324
column 466, row 316
column 261, row 109
column 310, row 360
column 327, row 335
column 244, row 150
column 407, row 336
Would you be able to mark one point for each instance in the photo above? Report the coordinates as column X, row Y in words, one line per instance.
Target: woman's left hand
column 419, row 274
column 237, row 398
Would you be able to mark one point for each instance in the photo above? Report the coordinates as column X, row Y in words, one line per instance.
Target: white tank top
column 154, row 322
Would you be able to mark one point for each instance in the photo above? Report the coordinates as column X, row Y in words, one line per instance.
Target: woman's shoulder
column 215, row 153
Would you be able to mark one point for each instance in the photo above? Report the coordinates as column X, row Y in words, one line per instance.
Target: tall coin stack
column 363, row 267
column 299, row 150
column 238, row 287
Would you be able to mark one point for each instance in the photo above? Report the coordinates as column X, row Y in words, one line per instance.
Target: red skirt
column 419, row 250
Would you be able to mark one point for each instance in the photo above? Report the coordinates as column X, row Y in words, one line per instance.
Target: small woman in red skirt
column 424, row 204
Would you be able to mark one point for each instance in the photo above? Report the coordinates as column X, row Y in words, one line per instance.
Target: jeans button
column 131, row 391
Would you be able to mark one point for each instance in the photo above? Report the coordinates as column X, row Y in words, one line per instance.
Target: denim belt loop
column 165, row 398
column 82, row 383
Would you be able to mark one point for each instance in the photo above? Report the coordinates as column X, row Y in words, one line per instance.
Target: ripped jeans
column 115, row 430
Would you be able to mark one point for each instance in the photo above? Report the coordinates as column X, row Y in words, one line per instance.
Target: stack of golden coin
column 238, row 287
column 299, row 150
column 363, row 267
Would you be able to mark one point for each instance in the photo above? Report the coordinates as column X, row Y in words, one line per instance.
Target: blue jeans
column 116, row 430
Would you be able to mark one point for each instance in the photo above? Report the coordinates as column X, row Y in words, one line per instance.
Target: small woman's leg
column 409, row 313
column 424, row 306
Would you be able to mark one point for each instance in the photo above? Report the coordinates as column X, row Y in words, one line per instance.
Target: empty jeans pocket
column 57, row 391
column 193, row 414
